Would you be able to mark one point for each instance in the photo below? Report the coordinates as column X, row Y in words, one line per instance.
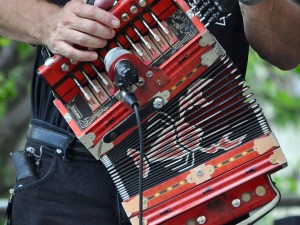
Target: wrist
column 48, row 14
column 250, row 2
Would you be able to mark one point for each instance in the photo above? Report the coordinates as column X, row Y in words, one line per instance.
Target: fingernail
column 115, row 23
column 94, row 56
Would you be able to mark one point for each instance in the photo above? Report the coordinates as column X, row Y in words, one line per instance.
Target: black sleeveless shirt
column 229, row 32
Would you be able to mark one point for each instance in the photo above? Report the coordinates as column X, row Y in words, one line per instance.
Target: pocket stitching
column 48, row 175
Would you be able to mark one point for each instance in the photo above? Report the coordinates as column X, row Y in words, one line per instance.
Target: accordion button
column 73, row 61
column 133, row 9
column 260, row 191
column 236, row 203
column 142, row 3
column 125, row 17
column 65, row 67
column 246, row 197
column 191, row 222
column 201, row 220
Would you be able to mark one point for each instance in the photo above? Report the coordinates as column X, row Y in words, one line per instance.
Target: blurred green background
column 277, row 91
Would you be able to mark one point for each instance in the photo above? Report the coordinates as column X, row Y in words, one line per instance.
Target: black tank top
column 229, row 32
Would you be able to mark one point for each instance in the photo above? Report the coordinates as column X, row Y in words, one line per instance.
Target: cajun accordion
column 209, row 151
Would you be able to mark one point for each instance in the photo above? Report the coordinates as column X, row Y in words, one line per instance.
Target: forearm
column 62, row 30
column 272, row 29
column 25, row 20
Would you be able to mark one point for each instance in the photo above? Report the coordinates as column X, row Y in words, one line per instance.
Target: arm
column 59, row 28
column 273, row 30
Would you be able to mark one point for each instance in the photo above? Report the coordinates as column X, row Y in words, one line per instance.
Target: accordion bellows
column 209, row 150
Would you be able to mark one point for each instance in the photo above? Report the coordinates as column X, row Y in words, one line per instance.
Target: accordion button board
column 209, row 150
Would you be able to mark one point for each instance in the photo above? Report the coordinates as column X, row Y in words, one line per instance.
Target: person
column 70, row 186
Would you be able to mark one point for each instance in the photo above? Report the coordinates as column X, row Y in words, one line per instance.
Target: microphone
column 124, row 72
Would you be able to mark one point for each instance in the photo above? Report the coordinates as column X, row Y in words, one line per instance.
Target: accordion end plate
column 207, row 39
column 262, row 145
column 278, row 157
column 97, row 150
column 88, row 139
column 200, row 174
column 135, row 221
column 132, row 206
column 212, row 55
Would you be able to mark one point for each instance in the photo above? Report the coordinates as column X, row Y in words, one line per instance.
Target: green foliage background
column 10, row 79
column 275, row 88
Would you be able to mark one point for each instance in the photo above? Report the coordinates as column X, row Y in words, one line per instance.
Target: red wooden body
column 175, row 69
column 234, row 173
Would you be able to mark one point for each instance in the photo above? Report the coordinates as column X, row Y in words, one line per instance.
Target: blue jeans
column 78, row 191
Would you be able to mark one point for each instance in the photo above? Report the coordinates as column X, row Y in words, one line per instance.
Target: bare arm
column 273, row 29
column 39, row 22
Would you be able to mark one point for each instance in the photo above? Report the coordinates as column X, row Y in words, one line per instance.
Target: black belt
column 49, row 135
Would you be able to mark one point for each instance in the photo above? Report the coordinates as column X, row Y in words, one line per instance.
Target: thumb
column 103, row 4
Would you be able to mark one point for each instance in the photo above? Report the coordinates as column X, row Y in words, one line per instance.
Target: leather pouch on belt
column 25, row 171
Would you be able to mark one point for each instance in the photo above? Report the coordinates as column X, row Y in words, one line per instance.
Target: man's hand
column 78, row 23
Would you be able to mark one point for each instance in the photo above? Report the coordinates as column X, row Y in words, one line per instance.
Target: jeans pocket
column 34, row 167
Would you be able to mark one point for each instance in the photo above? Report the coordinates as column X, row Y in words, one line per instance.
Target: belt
column 49, row 135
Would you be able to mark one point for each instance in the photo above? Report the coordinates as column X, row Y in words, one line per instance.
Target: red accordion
column 209, row 151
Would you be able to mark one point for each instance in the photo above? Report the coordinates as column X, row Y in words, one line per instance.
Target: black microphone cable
column 131, row 100
column 139, row 124
column 126, row 75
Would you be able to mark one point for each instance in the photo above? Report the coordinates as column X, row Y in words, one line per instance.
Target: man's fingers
column 84, row 40
column 93, row 28
column 97, row 14
column 70, row 52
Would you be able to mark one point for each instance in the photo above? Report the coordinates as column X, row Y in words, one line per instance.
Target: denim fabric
column 79, row 192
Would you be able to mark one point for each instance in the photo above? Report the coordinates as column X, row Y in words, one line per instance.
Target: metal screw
column 133, row 9
column 158, row 103
column 58, row 151
column 201, row 219
column 149, row 74
column 142, row 3
column 190, row 14
column 141, row 81
column 145, row 203
column 65, row 67
column 159, row 82
column 68, row 117
column 200, row 173
column 236, row 203
column 73, row 61
column 125, row 17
